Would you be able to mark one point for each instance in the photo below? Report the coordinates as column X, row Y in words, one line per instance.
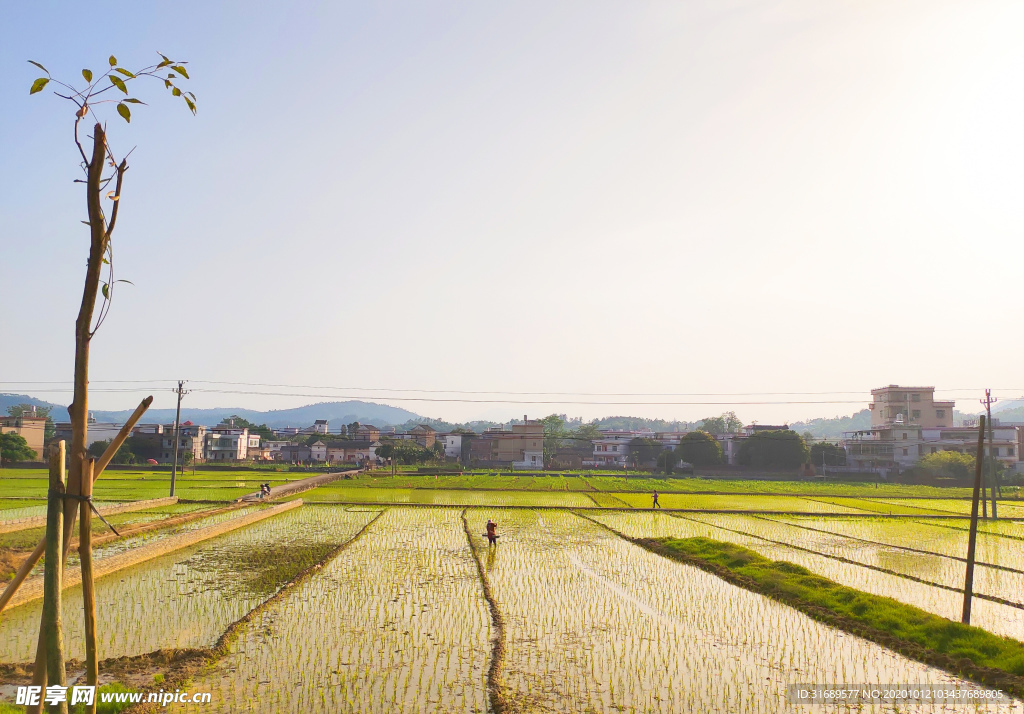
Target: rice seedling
column 396, row 622
column 959, row 506
column 944, row 569
column 594, row 623
column 704, row 484
column 997, row 618
column 346, row 494
column 887, row 506
column 736, row 503
column 941, row 536
column 189, row 597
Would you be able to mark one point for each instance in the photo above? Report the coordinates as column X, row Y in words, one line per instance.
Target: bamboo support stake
column 39, row 668
column 108, row 454
column 122, row 435
column 38, row 672
column 23, row 571
column 52, row 630
column 98, row 468
column 92, row 672
column 973, row 537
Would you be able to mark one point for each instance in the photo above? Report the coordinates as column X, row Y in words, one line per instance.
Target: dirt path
column 301, row 485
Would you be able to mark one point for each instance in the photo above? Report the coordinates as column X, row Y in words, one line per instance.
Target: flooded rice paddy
column 189, row 597
column 396, row 619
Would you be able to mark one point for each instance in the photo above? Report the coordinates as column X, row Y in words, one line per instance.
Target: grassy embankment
column 969, row 651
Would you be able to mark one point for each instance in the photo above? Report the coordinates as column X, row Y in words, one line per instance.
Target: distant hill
column 833, row 428
column 1013, row 415
column 640, row 424
column 1014, row 405
column 336, row 413
column 59, row 413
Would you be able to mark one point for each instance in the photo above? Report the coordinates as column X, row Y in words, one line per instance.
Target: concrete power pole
column 988, row 401
column 177, row 421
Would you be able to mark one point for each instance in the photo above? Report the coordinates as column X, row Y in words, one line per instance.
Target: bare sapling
column 103, row 175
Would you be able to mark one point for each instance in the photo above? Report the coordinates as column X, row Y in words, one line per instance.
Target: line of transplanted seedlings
column 959, row 506
column 189, row 597
column 18, row 512
column 10, row 512
column 932, row 569
column 994, row 617
column 737, row 503
column 398, row 496
column 129, row 542
column 27, row 539
column 597, row 624
column 921, row 535
column 395, row 622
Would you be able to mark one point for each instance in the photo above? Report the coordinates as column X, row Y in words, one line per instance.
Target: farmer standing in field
column 492, row 535
column 656, row 504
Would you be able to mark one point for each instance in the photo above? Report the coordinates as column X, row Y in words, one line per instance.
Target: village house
column 294, row 454
column 226, row 442
column 521, row 446
column 191, row 439
column 98, row 431
column 525, row 449
column 367, row 432
column 453, row 446
column 274, row 447
column 319, row 427
column 908, row 423
column 318, row 451
column 352, row 451
column 612, row 449
column 424, row 435
column 29, row 427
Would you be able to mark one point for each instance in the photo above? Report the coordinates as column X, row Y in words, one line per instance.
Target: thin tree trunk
column 79, row 409
column 92, row 672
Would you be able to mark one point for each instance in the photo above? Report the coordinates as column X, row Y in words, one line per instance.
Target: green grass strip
column 968, row 651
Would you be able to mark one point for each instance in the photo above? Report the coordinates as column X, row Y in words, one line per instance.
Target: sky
column 761, row 201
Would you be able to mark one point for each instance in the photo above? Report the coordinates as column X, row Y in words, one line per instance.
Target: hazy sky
column 599, row 197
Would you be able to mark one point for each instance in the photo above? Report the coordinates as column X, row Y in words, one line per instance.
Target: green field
column 142, row 485
column 214, row 485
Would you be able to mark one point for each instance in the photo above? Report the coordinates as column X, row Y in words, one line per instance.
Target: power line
column 525, row 401
column 95, row 381
column 500, row 392
column 589, row 394
column 390, row 394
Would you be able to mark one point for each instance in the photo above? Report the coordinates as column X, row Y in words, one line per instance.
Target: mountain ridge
column 336, row 413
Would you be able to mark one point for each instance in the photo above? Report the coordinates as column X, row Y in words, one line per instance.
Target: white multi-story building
column 227, row 443
column 319, row 427
column 452, row 446
column 318, row 451
column 612, row 449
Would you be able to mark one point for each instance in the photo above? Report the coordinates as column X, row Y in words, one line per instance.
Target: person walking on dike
column 656, row 504
column 492, row 535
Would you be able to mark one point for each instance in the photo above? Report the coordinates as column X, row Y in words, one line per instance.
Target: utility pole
column 972, row 538
column 177, row 421
column 988, row 401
